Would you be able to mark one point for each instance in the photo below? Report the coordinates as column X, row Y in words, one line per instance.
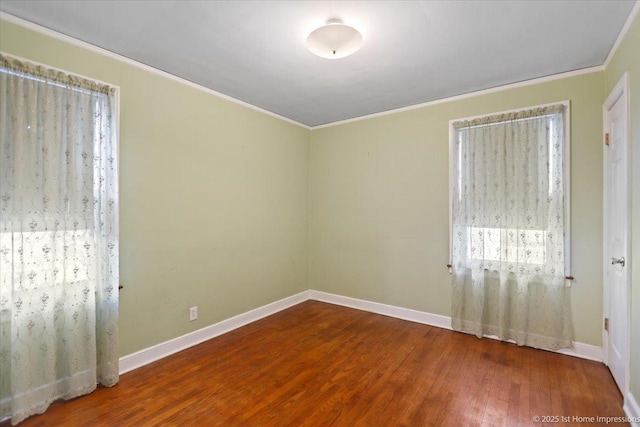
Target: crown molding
column 79, row 43
column 509, row 86
column 524, row 83
column 623, row 33
column 111, row 55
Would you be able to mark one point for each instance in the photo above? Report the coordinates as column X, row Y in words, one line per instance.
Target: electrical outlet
column 193, row 313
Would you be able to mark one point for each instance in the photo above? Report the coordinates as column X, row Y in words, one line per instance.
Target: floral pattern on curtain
column 508, row 228
column 58, row 238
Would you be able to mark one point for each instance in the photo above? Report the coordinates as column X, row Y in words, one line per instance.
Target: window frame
column 116, row 92
column 116, row 100
column 567, row 172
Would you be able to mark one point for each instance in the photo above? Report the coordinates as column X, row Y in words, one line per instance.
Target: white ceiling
column 414, row 51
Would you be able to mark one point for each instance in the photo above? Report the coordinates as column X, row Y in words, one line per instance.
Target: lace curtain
column 508, row 228
column 58, row 238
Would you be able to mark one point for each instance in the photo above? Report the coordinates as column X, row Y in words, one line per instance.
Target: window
column 509, row 225
column 50, row 179
column 58, row 237
column 508, row 177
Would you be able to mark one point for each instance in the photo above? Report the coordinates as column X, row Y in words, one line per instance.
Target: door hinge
column 606, row 138
column 606, row 324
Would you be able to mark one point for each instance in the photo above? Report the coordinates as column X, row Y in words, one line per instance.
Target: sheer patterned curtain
column 508, row 228
column 58, row 238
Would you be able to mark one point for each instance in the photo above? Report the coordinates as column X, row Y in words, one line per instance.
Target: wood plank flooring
column 318, row 364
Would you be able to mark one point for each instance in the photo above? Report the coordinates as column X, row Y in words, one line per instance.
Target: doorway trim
column 619, row 92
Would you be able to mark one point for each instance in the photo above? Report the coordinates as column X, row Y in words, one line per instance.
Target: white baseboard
column 384, row 309
column 632, row 409
column 167, row 348
column 581, row 350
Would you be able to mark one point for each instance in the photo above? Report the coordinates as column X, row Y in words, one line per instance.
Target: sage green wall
column 217, row 199
column 379, row 193
column 627, row 58
column 213, row 197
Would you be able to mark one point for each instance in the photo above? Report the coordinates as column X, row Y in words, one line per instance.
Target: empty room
column 319, row 213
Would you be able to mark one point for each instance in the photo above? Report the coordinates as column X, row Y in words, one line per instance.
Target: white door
column 616, row 232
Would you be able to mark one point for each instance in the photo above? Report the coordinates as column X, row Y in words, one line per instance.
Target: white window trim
column 567, row 173
column 116, row 92
column 116, row 97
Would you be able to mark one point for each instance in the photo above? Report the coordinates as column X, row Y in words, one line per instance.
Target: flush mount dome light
column 334, row 40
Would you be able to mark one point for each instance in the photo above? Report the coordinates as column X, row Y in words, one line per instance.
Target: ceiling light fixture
column 334, row 40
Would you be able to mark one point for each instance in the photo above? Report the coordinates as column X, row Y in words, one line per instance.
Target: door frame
column 619, row 92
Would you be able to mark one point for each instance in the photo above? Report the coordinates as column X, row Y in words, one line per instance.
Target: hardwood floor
column 318, row 364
